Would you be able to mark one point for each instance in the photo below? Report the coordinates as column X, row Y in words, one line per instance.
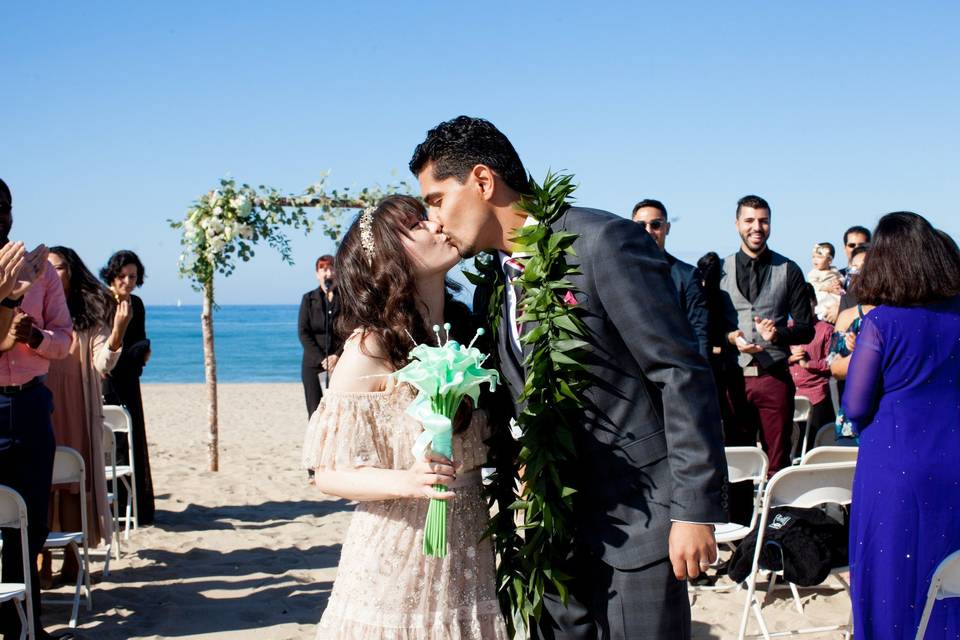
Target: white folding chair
column 744, row 464
column 13, row 515
column 68, row 468
column 112, row 474
column 801, row 414
column 118, row 420
column 944, row 584
column 803, row 486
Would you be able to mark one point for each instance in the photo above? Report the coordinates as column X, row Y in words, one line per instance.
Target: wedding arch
column 226, row 224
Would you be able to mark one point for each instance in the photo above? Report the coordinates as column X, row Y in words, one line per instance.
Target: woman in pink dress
column 75, row 384
column 392, row 266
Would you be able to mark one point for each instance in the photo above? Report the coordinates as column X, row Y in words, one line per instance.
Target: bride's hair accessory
column 366, row 233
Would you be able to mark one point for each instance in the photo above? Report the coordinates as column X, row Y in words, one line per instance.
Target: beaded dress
column 386, row 589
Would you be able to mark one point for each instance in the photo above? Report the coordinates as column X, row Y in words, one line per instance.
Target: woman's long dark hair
column 379, row 297
column 909, row 264
column 90, row 303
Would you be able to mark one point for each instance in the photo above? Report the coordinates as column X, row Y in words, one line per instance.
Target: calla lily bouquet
column 444, row 375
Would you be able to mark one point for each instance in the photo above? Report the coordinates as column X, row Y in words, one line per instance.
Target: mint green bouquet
column 444, row 375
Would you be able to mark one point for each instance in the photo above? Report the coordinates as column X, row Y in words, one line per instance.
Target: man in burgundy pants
column 764, row 291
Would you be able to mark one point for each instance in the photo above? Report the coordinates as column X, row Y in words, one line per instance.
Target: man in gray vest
column 765, row 290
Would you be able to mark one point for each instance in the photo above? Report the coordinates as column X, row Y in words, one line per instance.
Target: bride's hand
column 432, row 469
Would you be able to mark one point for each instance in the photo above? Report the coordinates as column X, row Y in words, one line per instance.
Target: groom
column 650, row 453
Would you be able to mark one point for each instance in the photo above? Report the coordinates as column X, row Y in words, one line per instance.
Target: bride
column 392, row 268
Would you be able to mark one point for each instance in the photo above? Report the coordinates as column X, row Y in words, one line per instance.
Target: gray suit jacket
column 650, row 447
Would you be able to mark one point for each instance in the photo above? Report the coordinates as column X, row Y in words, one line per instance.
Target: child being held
column 827, row 282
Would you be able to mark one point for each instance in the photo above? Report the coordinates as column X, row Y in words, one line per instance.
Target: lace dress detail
column 386, row 589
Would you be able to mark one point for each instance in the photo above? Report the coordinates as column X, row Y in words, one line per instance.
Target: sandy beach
column 252, row 551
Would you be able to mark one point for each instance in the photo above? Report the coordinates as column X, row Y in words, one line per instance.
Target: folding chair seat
column 118, row 420
column 13, row 515
column 68, row 468
column 944, row 584
column 803, row 486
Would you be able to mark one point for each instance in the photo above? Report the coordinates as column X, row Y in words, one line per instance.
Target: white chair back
column 810, row 485
column 944, row 584
column 822, row 455
column 13, row 515
column 117, row 418
column 801, row 408
column 68, row 466
column 746, row 463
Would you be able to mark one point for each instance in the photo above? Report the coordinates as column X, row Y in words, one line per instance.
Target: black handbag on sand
column 803, row 543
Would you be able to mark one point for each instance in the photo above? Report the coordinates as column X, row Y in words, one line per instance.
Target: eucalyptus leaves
column 553, row 402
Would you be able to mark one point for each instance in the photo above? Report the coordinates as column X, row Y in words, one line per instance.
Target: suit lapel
column 510, row 365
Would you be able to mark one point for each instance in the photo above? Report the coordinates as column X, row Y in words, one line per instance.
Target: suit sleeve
column 633, row 283
column 695, row 302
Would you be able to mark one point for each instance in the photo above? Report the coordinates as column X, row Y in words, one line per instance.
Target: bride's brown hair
column 377, row 287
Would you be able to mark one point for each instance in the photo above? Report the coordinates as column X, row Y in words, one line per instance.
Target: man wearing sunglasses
column 854, row 238
column 686, row 278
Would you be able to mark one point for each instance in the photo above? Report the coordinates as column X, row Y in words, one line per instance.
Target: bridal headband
column 366, row 233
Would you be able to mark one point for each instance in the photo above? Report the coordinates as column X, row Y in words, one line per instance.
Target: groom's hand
column 692, row 549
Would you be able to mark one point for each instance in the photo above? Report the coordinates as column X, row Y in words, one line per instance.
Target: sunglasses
column 854, row 245
column 653, row 224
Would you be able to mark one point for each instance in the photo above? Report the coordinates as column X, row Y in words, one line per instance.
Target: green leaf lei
column 543, row 457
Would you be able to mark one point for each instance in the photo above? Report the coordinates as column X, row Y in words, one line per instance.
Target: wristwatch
column 10, row 303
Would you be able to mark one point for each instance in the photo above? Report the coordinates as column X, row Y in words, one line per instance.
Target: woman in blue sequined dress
column 903, row 392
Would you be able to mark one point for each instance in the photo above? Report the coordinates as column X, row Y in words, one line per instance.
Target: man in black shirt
column 318, row 311
column 764, row 292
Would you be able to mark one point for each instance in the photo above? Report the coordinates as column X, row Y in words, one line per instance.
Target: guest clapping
column 33, row 307
column 75, row 384
column 903, row 394
column 123, row 274
column 764, row 289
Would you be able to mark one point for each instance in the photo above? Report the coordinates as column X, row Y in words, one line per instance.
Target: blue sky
column 114, row 118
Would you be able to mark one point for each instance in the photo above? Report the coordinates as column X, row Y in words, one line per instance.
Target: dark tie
column 754, row 291
column 512, row 269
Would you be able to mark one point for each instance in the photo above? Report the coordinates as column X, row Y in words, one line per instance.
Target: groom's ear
column 485, row 181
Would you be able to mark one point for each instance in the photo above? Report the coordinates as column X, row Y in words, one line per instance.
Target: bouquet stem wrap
column 444, row 375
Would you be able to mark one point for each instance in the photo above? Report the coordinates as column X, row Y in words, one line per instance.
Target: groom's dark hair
column 456, row 146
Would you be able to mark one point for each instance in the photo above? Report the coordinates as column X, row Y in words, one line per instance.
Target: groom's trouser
column 612, row 604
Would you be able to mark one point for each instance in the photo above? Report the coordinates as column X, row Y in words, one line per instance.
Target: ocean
column 253, row 344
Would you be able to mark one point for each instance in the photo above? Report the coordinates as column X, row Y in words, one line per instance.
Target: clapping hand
column 33, row 268
column 12, row 257
column 736, row 338
column 22, row 326
column 766, row 328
